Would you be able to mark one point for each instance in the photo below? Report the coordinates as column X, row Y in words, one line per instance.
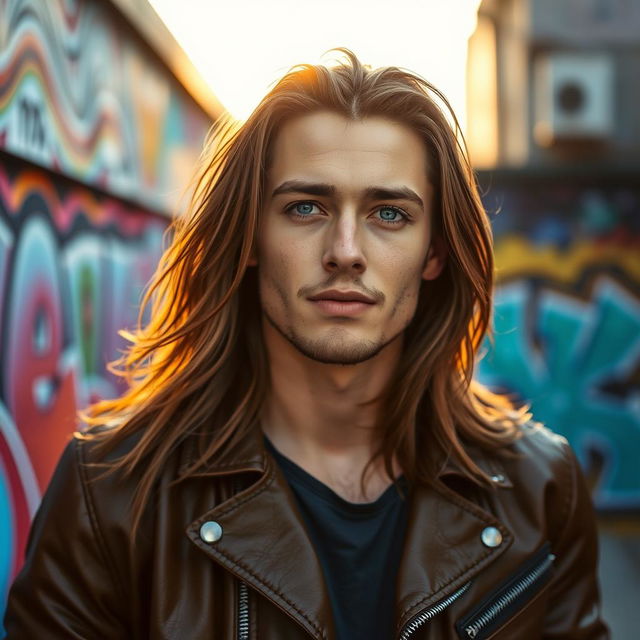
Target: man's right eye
column 303, row 209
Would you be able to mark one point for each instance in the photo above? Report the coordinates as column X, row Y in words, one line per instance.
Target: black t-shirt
column 359, row 548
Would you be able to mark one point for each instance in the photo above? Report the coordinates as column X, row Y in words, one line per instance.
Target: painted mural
column 567, row 322
column 81, row 95
column 72, row 268
column 89, row 120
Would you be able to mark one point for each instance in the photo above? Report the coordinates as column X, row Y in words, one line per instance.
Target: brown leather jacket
column 514, row 562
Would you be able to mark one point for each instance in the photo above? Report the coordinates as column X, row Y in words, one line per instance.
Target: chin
column 339, row 357
column 337, row 346
column 336, row 349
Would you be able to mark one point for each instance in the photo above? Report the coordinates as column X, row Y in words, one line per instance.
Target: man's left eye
column 391, row 214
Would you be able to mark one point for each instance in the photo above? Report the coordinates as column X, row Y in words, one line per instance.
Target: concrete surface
column 620, row 578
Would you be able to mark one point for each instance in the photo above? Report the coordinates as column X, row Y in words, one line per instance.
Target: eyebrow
column 328, row 190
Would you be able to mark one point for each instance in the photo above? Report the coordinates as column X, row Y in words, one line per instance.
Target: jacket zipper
column 431, row 612
column 243, row 591
column 243, row 611
column 474, row 626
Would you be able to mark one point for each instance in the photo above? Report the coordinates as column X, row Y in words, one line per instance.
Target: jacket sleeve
column 574, row 600
column 67, row 587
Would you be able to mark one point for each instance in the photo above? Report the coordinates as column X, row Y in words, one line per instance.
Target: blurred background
column 104, row 106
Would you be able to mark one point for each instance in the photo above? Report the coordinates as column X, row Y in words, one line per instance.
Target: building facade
column 553, row 99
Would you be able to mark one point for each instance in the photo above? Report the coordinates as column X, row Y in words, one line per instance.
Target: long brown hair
column 199, row 367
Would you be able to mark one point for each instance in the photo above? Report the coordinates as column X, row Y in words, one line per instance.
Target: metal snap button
column 211, row 531
column 498, row 478
column 491, row 537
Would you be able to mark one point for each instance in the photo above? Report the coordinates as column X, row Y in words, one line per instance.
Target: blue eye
column 303, row 208
column 391, row 214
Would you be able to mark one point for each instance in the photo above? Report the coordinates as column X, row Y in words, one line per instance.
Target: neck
column 324, row 416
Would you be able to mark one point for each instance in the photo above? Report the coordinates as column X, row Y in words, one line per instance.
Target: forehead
column 350, row 154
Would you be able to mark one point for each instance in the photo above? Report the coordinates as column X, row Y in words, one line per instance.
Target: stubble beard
column 333, row 348
column 336, row 347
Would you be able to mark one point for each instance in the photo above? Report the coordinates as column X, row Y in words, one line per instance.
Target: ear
column 435, row 260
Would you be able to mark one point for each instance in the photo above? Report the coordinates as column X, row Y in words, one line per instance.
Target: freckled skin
column 345, row 243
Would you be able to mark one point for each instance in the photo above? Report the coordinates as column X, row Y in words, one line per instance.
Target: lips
column 342, row 296
column 342, row 304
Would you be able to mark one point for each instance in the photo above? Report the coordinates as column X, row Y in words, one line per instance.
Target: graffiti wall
column 97, row 144
column 80, row 94
column 72, row 267
column 567, row 320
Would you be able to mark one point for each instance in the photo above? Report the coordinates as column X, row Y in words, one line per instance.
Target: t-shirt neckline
column 299, row 475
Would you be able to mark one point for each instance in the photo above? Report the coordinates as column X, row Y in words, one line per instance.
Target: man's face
column 345, row 237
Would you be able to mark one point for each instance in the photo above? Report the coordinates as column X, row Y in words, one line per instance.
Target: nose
column 344, row 251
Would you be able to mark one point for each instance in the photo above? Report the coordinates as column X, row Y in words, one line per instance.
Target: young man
column 302, row 451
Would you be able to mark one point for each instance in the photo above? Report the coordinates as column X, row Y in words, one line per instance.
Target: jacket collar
column 250, row 454
column 246, row 455
column 264, row 542
column 491, row 465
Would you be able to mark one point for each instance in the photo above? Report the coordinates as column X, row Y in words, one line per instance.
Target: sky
column 242, row 47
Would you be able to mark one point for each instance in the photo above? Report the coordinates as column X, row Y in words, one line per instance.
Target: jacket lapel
column 443, row 547
column 264, row 544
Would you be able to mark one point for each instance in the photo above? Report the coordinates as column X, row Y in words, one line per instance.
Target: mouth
column 342, row 296
column 342, row 303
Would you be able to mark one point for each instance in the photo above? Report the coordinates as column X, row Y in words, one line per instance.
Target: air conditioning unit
column 573, row 98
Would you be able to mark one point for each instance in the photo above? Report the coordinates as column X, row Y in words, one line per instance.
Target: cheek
column 279, row 269
column 402, row 263
column 289, row 249
column 406, row 298
column 403, row 278
column 280, row 262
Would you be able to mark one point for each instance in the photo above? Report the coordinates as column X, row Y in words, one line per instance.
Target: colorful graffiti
column 80, row 94
column 81, row 97
column 567, row 323
column 72, row 268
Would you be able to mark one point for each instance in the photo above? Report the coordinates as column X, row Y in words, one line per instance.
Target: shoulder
column 87, row 471
column 546, row 478
column 91, row 488
column 104, row 444
column 538, row 435
column 535, row 456
column 66, row 512
column 535, row 452
column 538, row 447
column 129, row 490
column 535, row 459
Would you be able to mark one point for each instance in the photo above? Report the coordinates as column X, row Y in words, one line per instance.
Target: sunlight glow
column 242, row 47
